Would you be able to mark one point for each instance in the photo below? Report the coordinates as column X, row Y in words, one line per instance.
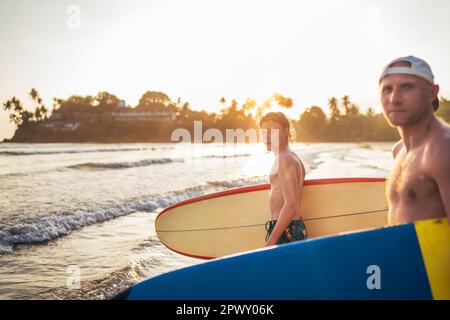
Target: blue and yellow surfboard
column 409, row 261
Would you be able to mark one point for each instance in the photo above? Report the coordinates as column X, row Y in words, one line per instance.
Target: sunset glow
column 204, row 50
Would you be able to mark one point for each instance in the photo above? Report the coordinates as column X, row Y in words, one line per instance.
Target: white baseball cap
column 418, row 67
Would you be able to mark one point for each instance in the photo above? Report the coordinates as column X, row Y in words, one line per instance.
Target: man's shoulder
column 397, row 147
column 445, row 132
column 437, row 151
column 439, row 141
column 289, row 159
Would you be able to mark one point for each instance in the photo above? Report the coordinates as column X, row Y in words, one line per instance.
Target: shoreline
column 177, row 142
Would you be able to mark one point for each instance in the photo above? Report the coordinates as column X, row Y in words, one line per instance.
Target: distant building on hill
column 137, row 115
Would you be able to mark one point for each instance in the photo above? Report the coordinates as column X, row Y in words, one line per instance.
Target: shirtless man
column 286, row 182
column 419, row 185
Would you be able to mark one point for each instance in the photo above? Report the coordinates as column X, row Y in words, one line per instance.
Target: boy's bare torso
column 276, row 199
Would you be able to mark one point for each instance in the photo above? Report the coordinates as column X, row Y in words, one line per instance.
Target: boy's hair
column 278, row 117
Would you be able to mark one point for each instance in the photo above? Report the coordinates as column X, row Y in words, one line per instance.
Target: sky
column 202, row 50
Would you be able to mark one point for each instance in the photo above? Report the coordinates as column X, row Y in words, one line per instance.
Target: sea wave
column 123, row 165
column 226, row 156
column 98, row 289
column 69, row 151
column 43, row 229
column 150, row 259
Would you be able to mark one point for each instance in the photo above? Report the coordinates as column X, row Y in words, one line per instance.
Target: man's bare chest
column 409, row 180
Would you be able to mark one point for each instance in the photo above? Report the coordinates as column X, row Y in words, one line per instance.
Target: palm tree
column 285, row 102
column 40, row 112
column 346, row 103
column 223, row 101
column 249, row 105
column 334, row 109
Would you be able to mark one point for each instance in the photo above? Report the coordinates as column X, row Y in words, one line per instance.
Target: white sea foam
column 68, row 151
column 123, row 165
column 32, row 231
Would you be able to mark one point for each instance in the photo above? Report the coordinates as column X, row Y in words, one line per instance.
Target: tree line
column 344, row 122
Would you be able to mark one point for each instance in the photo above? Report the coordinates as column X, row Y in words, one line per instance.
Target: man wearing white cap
column 419, row 185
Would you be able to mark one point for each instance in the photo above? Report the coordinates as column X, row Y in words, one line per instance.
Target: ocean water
column 89, row 209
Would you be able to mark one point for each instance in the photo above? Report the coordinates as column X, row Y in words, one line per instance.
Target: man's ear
column 435, row 91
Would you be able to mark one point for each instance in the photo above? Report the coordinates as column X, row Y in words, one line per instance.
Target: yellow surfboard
column 233, row 221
